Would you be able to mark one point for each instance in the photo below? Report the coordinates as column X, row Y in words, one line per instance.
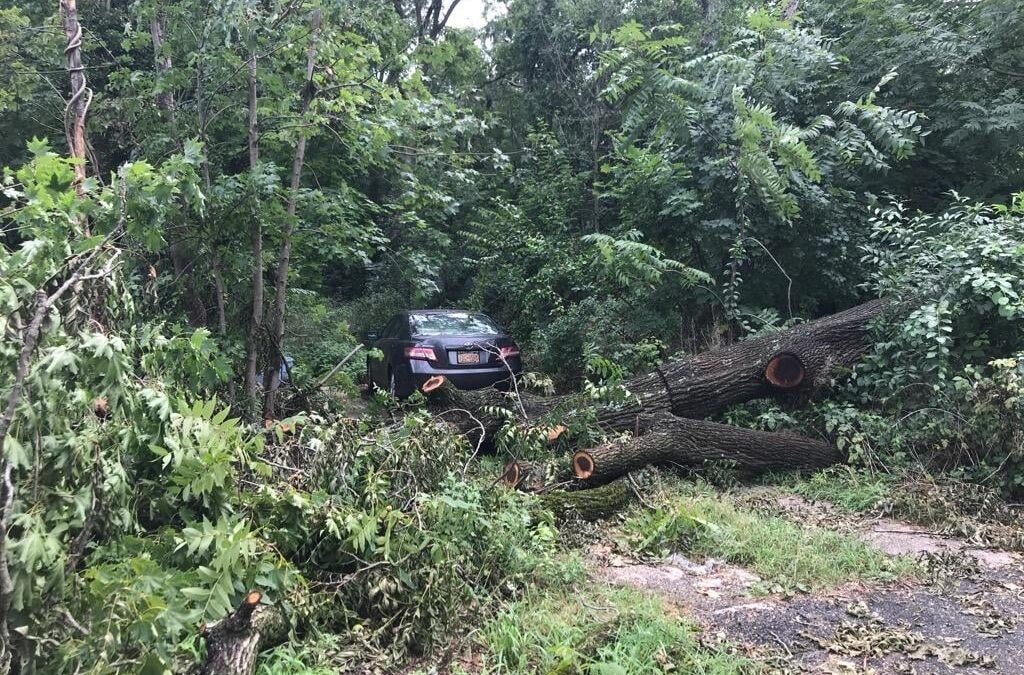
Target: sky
column 471, row 14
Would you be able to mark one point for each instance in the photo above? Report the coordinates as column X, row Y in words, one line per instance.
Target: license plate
column 467, row 357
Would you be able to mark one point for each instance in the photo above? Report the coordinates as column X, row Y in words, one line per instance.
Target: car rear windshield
column 454, row 323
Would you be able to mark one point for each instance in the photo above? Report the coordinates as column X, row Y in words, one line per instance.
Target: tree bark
column 163, row 63
column 536, row 476
column 787, row 364
column 256, row 243
column 233, row 642
column 711, row 11
column 588, row 505
column 81, row 95
column 691, row 443
column 272, row 377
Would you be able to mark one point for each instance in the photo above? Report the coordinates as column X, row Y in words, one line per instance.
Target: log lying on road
column 686, row 442
column 782, row 364
column 233, row 642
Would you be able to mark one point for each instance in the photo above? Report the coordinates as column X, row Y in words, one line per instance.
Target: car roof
column 442, row 311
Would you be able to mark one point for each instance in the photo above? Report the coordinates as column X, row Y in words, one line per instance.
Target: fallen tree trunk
column 691, row 443
column 784, row 364
column 588, row 505
column 789, row 363
column 233, row 642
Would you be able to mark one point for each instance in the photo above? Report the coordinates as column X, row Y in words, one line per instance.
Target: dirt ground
column 964, row 615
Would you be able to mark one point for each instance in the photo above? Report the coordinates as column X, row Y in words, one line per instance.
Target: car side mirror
column 372, row 336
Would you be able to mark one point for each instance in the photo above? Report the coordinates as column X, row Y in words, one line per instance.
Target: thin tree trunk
column 218, row 288
column 215, row 262
column 81, row 95
column 164, row 99
column 182, row 255
column 712, row 14
column 272, row 377
column 256, row 242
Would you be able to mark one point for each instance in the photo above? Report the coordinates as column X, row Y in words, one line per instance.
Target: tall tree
column 252, row 345
column 272, row 378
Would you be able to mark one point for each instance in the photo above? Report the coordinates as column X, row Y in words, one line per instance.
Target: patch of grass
column 609, row 632
column 783, row 553
column 849, row 488
column 946, row 503
column 321, row 655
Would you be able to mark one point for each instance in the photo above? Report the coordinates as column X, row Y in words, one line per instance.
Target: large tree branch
column 233, row 642
column 692, row 443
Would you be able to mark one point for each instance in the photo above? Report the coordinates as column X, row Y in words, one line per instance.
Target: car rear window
column 454, row 323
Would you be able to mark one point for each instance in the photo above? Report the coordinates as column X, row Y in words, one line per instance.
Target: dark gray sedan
column 469, row 349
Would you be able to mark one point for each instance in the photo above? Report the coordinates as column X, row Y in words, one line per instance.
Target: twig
column 789, row 288
column 636, row 490
column 72, row 621
column 479, row 442
column 284, row 467
column 335, row 369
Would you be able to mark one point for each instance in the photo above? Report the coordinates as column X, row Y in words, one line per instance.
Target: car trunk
column 465, row 352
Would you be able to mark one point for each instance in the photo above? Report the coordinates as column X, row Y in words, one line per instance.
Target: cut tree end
column 252, row 598
column 785, row 371
column 583, row 465
column 432, row 384
column 555, row 432
column 511, row 475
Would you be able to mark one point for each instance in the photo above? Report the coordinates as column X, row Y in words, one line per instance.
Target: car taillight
column 508, row 352
column 424, row 353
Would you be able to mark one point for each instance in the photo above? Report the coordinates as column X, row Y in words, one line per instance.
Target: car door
column 379, row 367
column 397, row 337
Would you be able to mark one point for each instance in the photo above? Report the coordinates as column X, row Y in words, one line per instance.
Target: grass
column 609, row 632
column 849, row 488
column 942, row 502
column 319, row 655
column 787, row 556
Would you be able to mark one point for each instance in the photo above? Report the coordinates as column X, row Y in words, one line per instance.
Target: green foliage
column 851, row 489
column 743, row 146
column 948, row 366
column 387, row 511
column 963, row 270
column 628, row 261
column 612, row 183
